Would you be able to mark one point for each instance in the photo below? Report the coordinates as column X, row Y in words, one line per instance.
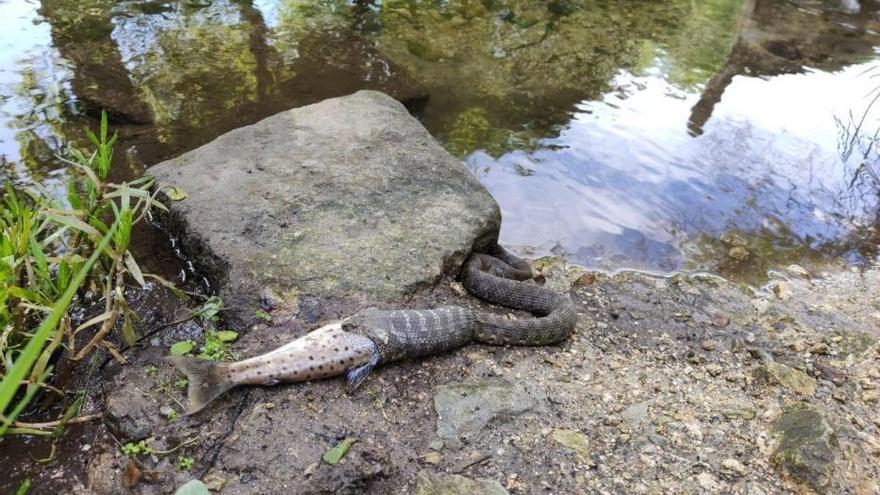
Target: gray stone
column 806, row 446
column 856, row 346
column 573, row 440
column 799, row 271
column 349, row 197
column 830, row 373
column 463, row 409
column 636, row 412
column 783, row 290
column 737, row 409
column 733, row 467
column 192, row 487
column 104, row 473
column 128, row 411
column 708, row 483
column 453, row 484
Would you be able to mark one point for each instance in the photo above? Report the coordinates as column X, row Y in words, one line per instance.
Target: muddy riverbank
column 670, row 385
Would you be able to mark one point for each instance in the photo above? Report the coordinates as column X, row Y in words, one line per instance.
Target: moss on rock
column 806, row 446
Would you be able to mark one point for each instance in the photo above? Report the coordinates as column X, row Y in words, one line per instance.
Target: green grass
column 51, row 251
column 37, row 342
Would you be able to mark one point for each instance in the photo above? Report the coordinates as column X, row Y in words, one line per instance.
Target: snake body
column 498, row 279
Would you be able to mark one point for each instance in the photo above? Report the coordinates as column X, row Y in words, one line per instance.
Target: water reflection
column 623, row 185
column 620, row 134
column 504, row 74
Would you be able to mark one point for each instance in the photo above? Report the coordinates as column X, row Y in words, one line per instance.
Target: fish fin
column 356, row 376
column 206, row 381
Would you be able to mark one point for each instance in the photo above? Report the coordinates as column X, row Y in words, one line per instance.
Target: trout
column 325, row 352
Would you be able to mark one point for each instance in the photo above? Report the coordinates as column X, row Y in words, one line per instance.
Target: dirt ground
column 686, row 384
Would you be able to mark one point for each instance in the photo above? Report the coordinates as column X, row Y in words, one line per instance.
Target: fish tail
column 207, row 380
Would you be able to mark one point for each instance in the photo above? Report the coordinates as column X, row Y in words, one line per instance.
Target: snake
column 372, row 337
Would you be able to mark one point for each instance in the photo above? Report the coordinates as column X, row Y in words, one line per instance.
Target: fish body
column 326, row 352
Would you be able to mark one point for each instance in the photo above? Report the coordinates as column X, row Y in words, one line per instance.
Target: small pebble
column 733, row 466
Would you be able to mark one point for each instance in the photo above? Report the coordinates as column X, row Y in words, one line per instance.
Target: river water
column 620, row 134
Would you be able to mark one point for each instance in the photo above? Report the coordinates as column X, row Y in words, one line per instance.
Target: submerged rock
column 464, row 409
column 452, row 484
column 349, row 197
column 786, row 377
column 806, row 446
column 738, row 253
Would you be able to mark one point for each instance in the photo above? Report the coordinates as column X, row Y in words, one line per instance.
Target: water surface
column 699, row 135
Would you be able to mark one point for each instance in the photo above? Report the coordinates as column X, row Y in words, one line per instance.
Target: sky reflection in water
column 626, row 185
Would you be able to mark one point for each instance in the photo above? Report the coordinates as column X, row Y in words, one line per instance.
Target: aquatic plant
column 59, row 254
column 859, row 141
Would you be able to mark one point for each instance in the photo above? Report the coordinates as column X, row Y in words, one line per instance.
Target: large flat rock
column 347, row 198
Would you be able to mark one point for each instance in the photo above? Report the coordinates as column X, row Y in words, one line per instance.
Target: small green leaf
column 210, row 309
column 175, row 194
column 183, row 347
column 263, row 316
column 227, row 336
column 214, row 349
column 194, row 487
column 133, row 449
column 185, row 463
column 334, row 455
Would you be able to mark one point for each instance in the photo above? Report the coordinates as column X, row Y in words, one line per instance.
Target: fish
column 323, row 353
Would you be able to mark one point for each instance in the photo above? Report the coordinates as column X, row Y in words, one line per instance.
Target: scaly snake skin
column 497, row 279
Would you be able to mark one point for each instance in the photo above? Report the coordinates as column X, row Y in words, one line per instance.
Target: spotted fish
column 325, row 352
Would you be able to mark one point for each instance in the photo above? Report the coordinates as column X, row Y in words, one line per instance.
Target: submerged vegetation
column 859, row 141
column 57, row 255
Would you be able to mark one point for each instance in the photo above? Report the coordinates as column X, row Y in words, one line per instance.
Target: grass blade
column 24, row 487
column 31, row 390
column 134, row 270
column 74, row 223
column 31, row 352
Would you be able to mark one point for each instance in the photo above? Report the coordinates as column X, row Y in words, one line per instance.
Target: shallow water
column 621, row 134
